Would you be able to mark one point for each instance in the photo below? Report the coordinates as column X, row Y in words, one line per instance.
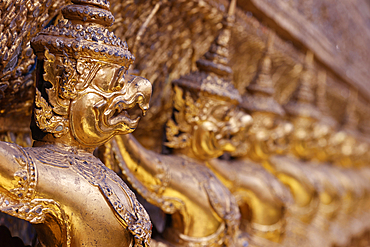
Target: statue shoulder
column 256, row 178
column 13, row 159
column 18, row 180
column 10, row 151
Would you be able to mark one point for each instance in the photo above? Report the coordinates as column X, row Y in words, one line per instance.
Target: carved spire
column 302, row 103
column 364, row 124
column 263, row 84
column 321, row 93
column 321, row 102
column 214, row 75
column 216, row 60
column 350, row 121
column 304, row 92
column 261, row 89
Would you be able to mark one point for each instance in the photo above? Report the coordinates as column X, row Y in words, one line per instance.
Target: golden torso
column 208, row 209
column 198, row 208
column 297, row 177
column 89, row 214
column 201, row 208
column 76, row 201
column 84, row 204
column 260, row 196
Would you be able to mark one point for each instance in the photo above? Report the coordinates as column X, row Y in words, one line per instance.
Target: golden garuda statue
column 201, row 210
column 258, row 132
column 263, row 200
column 83, row 98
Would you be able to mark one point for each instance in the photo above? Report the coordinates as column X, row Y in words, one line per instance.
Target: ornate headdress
column 84, row 33
column 302, row 103
column 261, row 89
column 70, row 54
column 213, row 79
column 214, row 75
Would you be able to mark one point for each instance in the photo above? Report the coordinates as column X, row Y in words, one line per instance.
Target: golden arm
column 11, row 160
column 145, row 171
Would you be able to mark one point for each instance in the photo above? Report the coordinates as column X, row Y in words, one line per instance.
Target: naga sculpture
column 200, row 209
column 262, row 199
column 83, row 98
